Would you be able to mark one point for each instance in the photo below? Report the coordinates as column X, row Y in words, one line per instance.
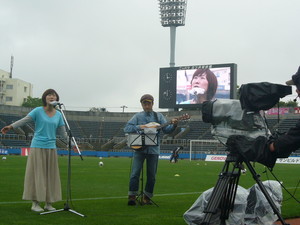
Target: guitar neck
column 183, row 117
column 165, row 124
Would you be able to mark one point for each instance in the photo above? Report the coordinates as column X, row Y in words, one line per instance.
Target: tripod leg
column 222, row 197
column 139, row 197
column 227, row 202
column 265, row 192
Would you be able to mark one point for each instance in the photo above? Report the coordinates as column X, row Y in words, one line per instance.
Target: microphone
column 55, row 103
column 197, row 91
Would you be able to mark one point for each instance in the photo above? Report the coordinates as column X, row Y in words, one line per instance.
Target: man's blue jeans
column 138, row 160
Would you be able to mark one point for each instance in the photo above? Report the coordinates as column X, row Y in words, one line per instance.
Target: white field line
column 116, row 197
column 101, row 198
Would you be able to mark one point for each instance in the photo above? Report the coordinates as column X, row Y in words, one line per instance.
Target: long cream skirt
column 42, row 179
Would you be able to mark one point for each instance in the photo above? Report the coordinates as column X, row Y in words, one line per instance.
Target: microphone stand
column 71, row 139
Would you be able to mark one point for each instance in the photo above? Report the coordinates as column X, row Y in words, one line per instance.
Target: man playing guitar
column 145, row 119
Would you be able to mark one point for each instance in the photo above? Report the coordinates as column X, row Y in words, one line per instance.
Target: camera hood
column 262, row 96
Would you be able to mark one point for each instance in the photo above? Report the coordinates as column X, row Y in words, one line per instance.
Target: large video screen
column 190, row 86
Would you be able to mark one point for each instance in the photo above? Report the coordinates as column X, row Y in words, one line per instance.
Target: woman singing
column 42, row 179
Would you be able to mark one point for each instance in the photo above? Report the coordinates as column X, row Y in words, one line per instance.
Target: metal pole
column 172, row 45
column 11, row 66
column 172, row 52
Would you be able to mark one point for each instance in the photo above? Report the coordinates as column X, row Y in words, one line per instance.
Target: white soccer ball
column 101, row 163
column 3, row 158
column 244, row 171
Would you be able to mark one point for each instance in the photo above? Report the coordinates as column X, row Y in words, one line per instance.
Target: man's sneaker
column 36, row 207
column 146, row 200
column 49, row 207
column 131, row 200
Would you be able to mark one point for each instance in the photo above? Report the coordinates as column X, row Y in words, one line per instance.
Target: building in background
column 13, row 91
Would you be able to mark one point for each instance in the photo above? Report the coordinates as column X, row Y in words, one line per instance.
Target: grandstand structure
column 103, row 131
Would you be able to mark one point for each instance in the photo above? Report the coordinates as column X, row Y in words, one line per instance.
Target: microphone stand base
column 67, row 208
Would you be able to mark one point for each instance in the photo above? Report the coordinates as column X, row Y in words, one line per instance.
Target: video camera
column 228, row 118
column 240, row 124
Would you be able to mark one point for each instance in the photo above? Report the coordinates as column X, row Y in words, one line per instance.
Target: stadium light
column 124, row 106
column 172, row 13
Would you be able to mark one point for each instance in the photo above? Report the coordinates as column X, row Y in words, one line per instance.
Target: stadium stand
column 15, row 143
column 104, row 131
column 285, row 124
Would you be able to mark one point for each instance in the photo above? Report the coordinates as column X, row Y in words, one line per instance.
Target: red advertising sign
column 274, row 111
column 25, row 151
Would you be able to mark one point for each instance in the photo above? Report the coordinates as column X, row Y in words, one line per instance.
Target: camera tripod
column 224, row 192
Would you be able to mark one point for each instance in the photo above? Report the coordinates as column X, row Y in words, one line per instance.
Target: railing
column 12, row 137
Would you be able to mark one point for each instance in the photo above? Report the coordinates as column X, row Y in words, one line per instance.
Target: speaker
column 167, row 87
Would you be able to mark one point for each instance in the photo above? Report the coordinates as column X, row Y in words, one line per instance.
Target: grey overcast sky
column 107, row 53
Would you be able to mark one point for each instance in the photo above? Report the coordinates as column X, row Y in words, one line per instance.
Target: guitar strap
column 156, row 118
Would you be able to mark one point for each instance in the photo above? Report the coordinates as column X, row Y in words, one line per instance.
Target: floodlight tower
column 172, row 13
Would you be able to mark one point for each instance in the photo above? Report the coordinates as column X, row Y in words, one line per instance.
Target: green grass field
column 100, row 193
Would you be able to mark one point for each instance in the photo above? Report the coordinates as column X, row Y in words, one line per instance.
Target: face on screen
column 198, row 85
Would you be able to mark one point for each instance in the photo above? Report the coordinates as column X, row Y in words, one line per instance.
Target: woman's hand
column 5, row 129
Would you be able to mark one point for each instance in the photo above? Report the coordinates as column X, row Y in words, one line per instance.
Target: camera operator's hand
column 295, row 81
column 271, row 147
column 272, row 139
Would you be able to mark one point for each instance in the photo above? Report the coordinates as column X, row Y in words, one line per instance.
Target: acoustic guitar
column 184, row 117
